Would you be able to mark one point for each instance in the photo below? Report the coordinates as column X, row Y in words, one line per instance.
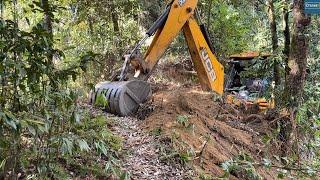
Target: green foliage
column 42, row 75
column 205, row 177
column 183, row 119
column 157, row 131
column 101, row 100
column 186, row 157
column 241, row 167
column 41, row 122
column 308, row 117
column 231, row 25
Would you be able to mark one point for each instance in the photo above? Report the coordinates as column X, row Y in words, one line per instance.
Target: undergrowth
column 88, row 150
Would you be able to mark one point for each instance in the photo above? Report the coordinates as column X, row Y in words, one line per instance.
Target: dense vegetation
column 53, row 52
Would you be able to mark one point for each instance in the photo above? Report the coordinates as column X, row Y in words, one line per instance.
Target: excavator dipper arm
column 181, row 18
column 210, row 71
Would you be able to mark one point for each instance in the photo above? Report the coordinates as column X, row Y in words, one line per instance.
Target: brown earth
column 205, row 129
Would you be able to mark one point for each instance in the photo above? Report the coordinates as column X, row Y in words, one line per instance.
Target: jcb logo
column 205, row 57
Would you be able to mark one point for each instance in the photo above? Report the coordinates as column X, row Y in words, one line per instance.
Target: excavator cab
column 129, row 89
column 247, row 91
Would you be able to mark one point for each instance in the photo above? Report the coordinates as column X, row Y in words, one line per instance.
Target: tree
column 297, row 66
column 114, row 15
column 297, row 62
column 273, row 29
column 286, row 34
column 47, row 24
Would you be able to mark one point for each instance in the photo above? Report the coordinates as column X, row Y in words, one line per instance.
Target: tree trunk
column 115, row 22
column 16, row 97
column 286, row 34
column 297, row 62
column 273, row 29
column 47, row 17
column 3, row 78
column 116, row 28
column 297, row 65
column 115, row 18
column 90, row 22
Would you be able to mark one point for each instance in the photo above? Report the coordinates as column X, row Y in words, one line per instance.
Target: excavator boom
column 124, row 98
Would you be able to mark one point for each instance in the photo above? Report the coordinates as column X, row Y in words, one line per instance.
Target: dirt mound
column 191, row 120
column 170, row 74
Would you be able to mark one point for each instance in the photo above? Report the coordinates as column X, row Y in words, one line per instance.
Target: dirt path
column 142, row 160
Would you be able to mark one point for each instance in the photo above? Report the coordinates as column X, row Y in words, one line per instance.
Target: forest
column 225, row 89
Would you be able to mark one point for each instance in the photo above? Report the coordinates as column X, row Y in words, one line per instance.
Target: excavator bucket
column 121, row 98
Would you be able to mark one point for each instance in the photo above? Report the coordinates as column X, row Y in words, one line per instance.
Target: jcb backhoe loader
column 130, row 90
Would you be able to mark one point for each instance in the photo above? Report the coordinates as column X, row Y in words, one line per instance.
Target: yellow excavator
column 130, row 88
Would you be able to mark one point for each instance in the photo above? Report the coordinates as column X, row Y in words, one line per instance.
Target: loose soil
column 213, row 140
column 213, row 131
column 182, row 127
